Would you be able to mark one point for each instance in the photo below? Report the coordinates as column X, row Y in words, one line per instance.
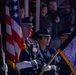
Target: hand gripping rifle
column 50, row 62
column 2, row 51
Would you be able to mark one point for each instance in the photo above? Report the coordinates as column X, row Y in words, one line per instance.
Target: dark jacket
column 45, row 22
column 29, row 55
column 68, row 17
column 56, row 27
column 48, row 55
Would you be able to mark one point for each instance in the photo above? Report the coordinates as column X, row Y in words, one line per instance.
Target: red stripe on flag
column 8, row 20
column 11, row 57
column 17, row 38
column 9, row 38
column 14, row 36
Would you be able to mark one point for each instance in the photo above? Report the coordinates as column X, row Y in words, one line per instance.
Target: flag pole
column 37, row 14
column 49, row 62
column 2, row 51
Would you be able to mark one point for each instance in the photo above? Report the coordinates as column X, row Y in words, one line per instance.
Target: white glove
column 49, row 67
column 46, row 68
column 54, row 67
column 5, row 68
column 24, row 64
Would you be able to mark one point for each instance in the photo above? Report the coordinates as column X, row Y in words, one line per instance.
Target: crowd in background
column 56, row 18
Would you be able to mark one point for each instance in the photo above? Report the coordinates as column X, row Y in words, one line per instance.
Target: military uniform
column 29, row 54
column 64, row 68
column 48, row 53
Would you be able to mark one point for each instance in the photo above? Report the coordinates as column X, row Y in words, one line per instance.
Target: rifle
column 2, row 51
column 50, row 62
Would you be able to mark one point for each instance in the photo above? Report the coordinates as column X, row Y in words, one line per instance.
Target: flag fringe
column 12, row 64
column 67, row 61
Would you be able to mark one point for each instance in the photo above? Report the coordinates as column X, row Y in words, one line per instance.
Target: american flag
column 68, row 51
column 14, row 37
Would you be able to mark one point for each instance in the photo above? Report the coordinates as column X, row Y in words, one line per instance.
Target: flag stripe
column 8, row 30
column 18, row 40
column 8, row 20
column 7, row 12
column 10, row 48
column 14, row 37
column 16, row 28
column 11, row 57
column 9, row 38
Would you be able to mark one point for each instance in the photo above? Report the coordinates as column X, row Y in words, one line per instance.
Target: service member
column 43, row 37
column 64, row 68
column 30, row 59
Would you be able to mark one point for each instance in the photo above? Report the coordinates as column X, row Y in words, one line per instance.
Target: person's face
column 26, row 30
column 52, row 6
column 22, row 13
column 63, row 38
column 66, row 6
column 44, row 10
column 44, row 41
